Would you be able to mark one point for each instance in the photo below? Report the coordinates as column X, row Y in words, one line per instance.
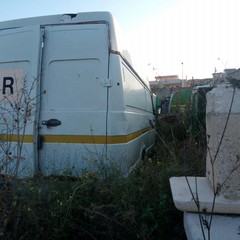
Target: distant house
column 171, row 81
column 167, row 78
column 235, row 73
column 163, row 86
column 229, row 75
column 199, row 82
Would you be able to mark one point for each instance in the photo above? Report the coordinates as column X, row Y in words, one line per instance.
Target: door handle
column 52, row 122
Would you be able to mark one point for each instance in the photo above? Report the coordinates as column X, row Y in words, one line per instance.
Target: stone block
column 223, row 133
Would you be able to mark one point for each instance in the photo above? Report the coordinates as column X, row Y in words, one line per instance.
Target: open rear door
column 20, row 54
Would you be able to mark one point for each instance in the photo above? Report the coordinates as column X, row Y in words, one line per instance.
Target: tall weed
column 137, row 207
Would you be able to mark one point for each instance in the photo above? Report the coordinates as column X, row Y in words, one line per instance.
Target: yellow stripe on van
column 76, row 138
column 16, row 138
column 94, row 139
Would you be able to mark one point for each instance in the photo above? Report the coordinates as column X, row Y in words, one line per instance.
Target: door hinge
column 107, row 82
column 43, row 37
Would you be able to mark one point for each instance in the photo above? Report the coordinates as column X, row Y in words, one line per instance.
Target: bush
column 137, row 207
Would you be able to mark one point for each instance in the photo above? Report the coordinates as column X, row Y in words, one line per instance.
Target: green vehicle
column 180, row 101
column 198, row 111
column 190, row 105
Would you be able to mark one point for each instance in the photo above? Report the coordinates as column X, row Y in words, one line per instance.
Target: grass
column 137, row 207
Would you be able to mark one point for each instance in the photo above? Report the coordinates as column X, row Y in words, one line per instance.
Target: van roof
column 58, row 19
column 68, row 18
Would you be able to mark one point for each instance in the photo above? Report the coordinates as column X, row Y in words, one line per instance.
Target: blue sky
column 127, row 12
column 160, row 34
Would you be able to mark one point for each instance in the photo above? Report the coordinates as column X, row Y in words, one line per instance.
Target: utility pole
column 182, row 70
column 182, row 76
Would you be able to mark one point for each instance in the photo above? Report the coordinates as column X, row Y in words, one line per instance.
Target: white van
column 69, row 100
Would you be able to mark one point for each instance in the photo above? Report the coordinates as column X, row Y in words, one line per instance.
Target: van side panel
column 130, row 110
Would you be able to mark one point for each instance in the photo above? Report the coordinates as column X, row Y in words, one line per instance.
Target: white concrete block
column 222, row 228
column 200, row 187
column 225, row 166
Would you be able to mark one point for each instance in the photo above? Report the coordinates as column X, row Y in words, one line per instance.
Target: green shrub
column 137, row 207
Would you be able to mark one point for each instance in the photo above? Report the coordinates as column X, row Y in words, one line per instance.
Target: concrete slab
column 226, row 168
column 183, row 199
column 222, row 228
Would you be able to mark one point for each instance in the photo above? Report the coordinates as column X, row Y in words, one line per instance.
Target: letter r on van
column 7, row 83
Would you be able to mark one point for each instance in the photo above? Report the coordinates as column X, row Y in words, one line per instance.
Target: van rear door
column 73, row 96
column 20, row 54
